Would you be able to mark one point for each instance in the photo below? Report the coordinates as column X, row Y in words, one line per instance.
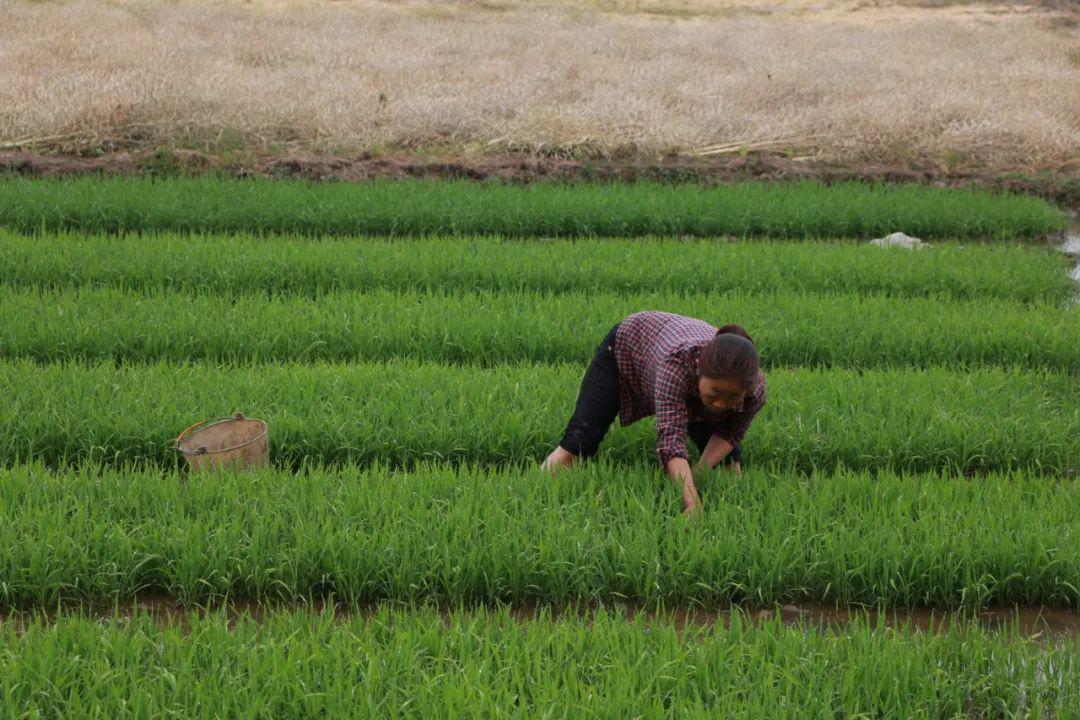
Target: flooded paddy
column 1036, row 622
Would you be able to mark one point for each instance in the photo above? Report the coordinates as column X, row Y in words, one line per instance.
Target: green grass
column 240, row 264
column 919, row 448
column 518, row 536
column 797, row 210
column 419, row 664
column 488, row 329
column 402, row 412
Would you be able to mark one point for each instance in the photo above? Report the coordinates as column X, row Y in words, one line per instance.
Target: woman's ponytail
column 731, row 354
column 735, row 330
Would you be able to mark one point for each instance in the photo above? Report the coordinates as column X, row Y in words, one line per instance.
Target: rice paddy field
column 417, row 349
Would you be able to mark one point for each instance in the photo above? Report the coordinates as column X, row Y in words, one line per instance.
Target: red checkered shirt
column 657, row 356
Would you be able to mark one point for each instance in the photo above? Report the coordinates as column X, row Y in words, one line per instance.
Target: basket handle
column 202, row 423
column 187, row 432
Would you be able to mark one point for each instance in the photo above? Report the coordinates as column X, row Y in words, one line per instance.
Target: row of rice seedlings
column 486, row 664
column 796, row 210
column 598, row 533
column 245, row 263
column 402, row 412
column 493, row 328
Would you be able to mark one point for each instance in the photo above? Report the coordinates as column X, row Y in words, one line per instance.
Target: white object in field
column 1072, row 246
column 899, row 239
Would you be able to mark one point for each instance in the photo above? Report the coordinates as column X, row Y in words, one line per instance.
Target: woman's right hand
column 691, row 500
column 678, row 469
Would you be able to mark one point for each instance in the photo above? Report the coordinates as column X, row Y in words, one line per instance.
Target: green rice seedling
column 795, row 210
column 487, row 329
column 475, row 535
column 418, row 663
column 239, row 264
column 402, row 412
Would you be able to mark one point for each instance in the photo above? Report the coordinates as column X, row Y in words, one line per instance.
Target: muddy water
column 1033, row 622
column 1071, row 244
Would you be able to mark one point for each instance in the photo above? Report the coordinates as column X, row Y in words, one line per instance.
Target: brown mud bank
column 1060, row 186
column 1037, row 622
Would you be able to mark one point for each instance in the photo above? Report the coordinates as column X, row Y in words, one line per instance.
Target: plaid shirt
column 657, row 356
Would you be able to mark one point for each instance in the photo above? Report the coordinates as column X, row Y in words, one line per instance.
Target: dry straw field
column 988, row 86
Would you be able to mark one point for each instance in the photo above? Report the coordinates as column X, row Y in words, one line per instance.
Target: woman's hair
column 731, row 354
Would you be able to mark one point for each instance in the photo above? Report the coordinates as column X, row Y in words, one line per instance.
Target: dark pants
column 598, row 406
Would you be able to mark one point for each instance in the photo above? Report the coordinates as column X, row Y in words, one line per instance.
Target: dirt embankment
column 1036, row 622
column 526, row 168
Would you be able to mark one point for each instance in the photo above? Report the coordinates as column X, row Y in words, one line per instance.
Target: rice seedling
column 918, row 449
column 313, row 267
column 474, row 535
column 239, row 264
column 488, row 329
column 797, row 210
column 401, row 663
column 402, row 412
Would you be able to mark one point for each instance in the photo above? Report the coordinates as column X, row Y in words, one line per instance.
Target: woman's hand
column 678, row 469
column 691, row 500
column 559, row 458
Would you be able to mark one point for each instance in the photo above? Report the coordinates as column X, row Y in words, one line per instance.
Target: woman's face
column 721, row 393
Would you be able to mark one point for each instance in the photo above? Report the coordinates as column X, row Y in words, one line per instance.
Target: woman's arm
column 678, row 469
column 714, row 453
column 732, row 429
column 671, row 416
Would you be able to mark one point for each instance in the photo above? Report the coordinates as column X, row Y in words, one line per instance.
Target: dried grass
column 994, row 88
